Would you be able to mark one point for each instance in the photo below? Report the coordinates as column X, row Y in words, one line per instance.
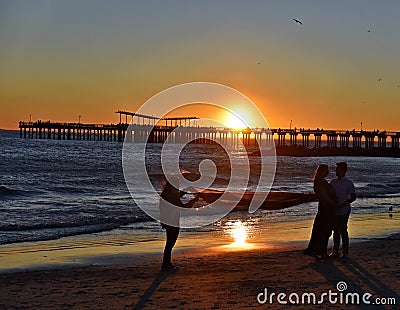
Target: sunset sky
column 61, row 59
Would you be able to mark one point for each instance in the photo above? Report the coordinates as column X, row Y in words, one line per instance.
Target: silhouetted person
column 346, row 194
column 324, row 220
column 170, row 203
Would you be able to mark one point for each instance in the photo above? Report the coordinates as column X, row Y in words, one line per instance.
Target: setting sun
column 233, row 121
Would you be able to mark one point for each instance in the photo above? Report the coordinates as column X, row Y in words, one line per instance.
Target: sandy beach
column 213, row 278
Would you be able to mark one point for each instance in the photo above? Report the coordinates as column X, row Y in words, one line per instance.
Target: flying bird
column 298, row 21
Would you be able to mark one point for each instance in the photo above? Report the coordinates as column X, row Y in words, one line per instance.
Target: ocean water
column 51, row 189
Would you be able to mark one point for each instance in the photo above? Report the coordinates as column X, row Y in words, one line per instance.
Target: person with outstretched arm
column 170, row 204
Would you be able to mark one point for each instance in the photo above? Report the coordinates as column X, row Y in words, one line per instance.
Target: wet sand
column 216, row 278
column 126, row 246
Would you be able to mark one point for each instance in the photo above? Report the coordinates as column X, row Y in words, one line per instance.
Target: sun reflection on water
column 239, row 232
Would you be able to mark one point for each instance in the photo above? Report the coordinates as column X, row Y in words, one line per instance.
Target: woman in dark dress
column 324, row 220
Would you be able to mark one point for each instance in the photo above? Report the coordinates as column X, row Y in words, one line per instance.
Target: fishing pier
column 183, row 129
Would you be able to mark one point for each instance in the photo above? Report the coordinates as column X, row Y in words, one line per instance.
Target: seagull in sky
column 298, row 21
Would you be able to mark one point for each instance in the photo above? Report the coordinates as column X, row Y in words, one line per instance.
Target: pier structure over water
column 336, row 138
column 71, row 131
column 184, row 129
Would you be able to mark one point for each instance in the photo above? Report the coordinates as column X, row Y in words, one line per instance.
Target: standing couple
column 334, row 200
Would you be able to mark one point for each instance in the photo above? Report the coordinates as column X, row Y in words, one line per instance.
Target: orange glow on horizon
column 278, row 111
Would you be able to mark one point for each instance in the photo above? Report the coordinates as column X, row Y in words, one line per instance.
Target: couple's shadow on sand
column 333, row 271
column 371, row 284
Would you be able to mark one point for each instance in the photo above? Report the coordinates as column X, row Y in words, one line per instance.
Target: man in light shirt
column 345, row 195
